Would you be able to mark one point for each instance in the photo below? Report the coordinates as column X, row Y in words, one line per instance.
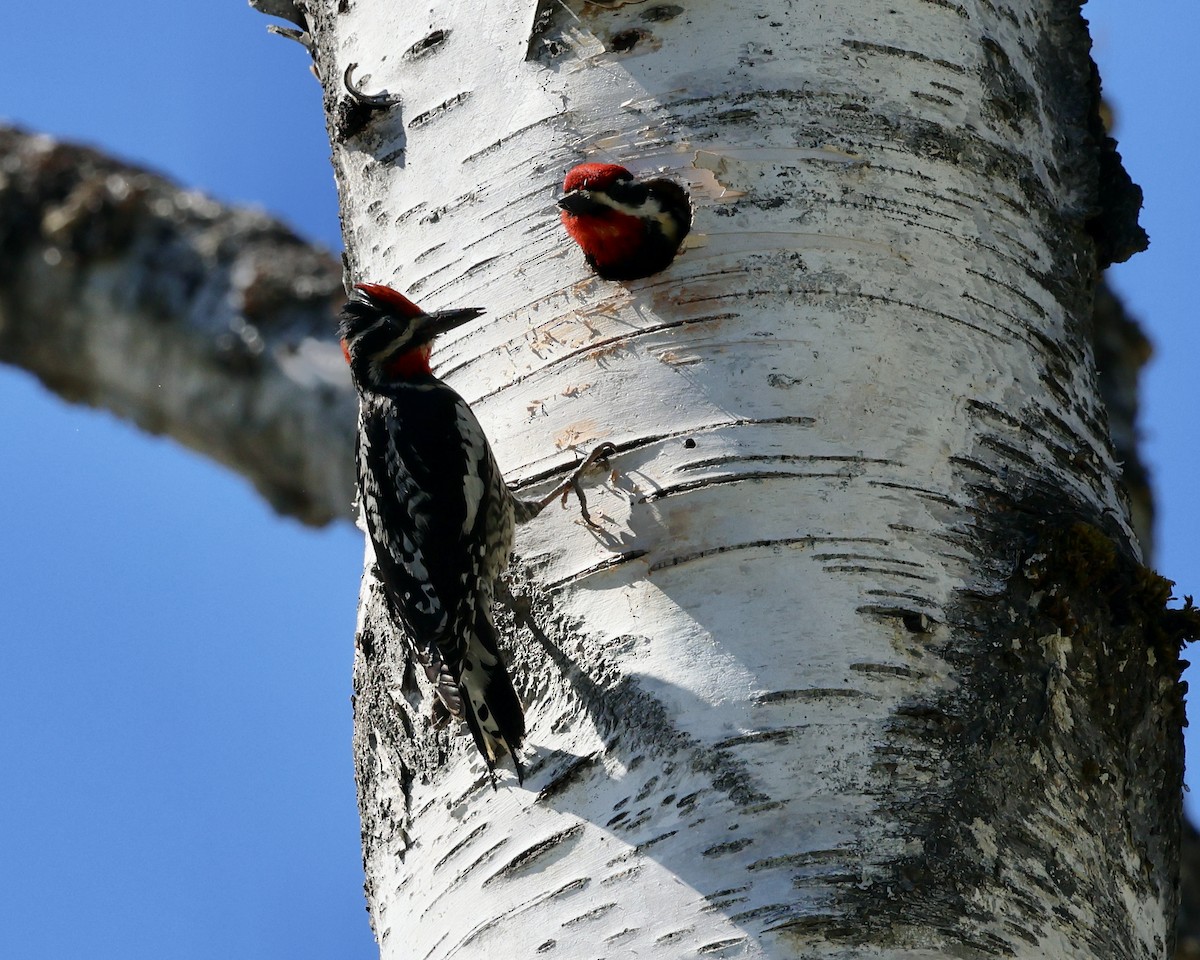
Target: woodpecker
column 438, row 511
column 627, row 229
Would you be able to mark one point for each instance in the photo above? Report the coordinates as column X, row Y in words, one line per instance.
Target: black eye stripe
column 629, row 192
column 372, row 333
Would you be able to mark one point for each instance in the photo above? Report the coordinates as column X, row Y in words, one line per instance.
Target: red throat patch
column 412, row 363
column 607, row 239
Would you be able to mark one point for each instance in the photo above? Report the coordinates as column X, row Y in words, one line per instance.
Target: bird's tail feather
column 491, row 706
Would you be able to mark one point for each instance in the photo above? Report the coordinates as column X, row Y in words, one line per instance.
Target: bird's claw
column 599, row 455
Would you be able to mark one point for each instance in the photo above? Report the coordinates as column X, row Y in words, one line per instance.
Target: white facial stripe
column 389, row 351
column 650, row 210
column 373, row 326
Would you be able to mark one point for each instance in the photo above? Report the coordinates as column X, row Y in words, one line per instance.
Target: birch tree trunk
column 862, row 660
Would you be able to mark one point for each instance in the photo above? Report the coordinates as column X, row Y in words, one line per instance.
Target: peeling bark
column 208, row 323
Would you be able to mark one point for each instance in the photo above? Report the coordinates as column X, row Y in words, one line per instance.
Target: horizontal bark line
column 1039, row 345
column 618, row 560
column 649, row 440
column 603, row 345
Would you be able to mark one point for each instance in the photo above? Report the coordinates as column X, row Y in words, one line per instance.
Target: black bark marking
column 483, row 857
column 914, row 621
column 815, row 693
column 662, row 13
column 731, row 846
column 626, row 40
column 427, row 44
column 421, row 119
column 591, row 914
column 760, row 736
column 720, row 945
column 890, row 51
column 573, row 772
column 458, row 846
column 534, row 853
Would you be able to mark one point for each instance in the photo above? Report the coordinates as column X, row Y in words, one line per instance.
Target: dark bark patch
column 535, row 853
column 732, row 846
column 572, row 773
column 349, row 118
column 626, row 40
column 1109, row 200
column 421, row 119
column 662, row 13
column 1009, row 96
column 1080, row 565
column 1062, row 736
column 427, row 44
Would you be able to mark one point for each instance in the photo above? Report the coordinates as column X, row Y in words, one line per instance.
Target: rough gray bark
column 209, row 323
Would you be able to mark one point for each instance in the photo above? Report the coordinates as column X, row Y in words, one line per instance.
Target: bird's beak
column 429, row 325
column 580, row 202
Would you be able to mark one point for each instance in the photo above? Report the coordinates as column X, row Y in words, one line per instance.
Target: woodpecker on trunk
column 626, row 228
column 438, row 511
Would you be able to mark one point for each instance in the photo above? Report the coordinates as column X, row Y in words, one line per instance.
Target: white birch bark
column 803, row 693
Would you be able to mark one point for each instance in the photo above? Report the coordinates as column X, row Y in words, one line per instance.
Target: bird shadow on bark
column 648, row 777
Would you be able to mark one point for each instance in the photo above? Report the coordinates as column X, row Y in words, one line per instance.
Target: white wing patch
column 475, row 450
column 401, row 546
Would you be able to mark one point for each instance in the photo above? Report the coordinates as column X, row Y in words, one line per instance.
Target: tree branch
column 212, row 324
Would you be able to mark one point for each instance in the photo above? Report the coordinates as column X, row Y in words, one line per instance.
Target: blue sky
column 175, row 660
